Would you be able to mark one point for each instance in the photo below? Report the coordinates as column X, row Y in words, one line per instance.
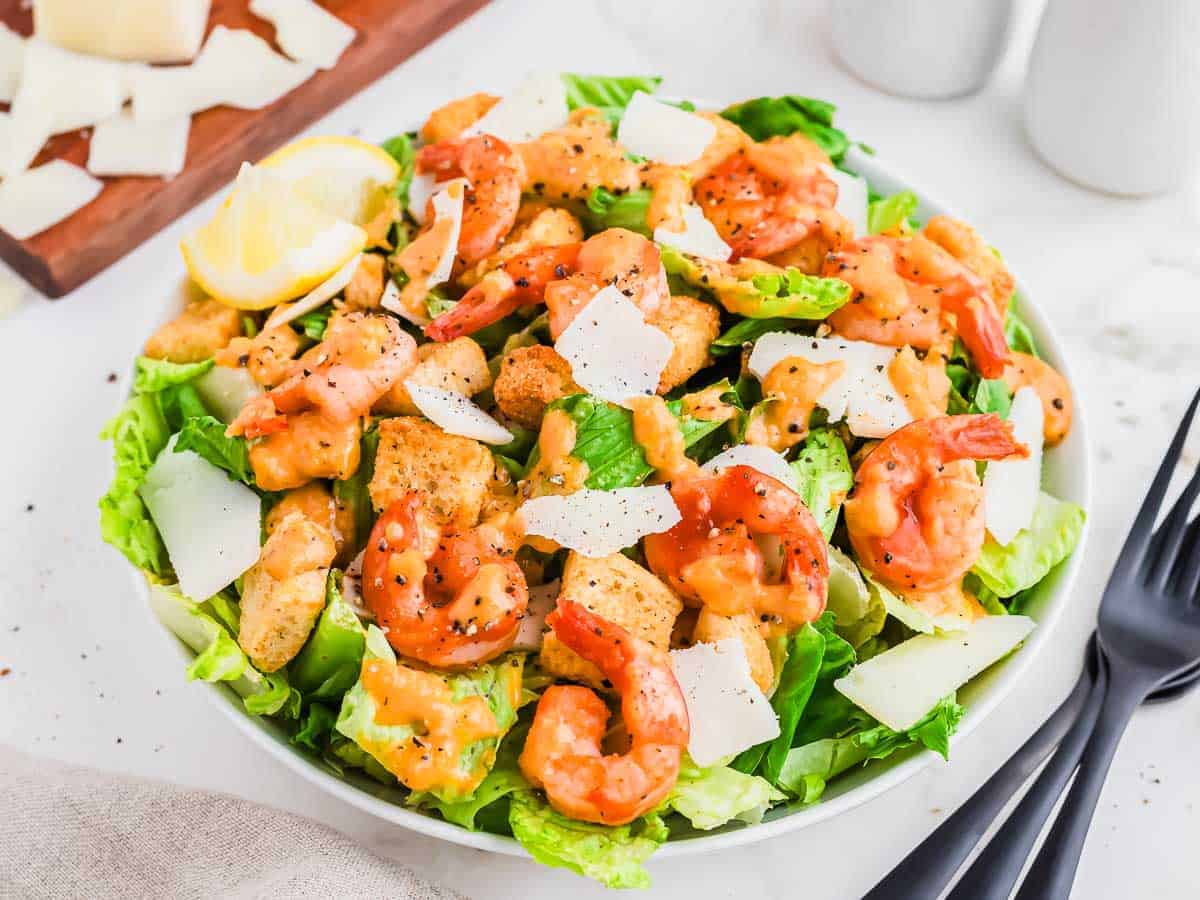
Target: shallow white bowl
column 1065, row 475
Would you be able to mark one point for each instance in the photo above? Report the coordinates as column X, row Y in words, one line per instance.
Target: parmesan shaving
column 1011, row 487
column 160, row 31
column 698, row 238
column 448, row 207
column 317, row 297
column 12, row 59
column 123, row 146
column 306, row 31
column 36, row 199
column 599, row 523
column 75, row 91
column 663, row 133
column 542, row 600
column 758, row 457
column 538, row 105
column 454, row 413
column 420, row 189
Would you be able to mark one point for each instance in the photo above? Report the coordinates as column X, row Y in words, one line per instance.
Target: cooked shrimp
column 767, row 198
column 562, row 753
column 568, row 163
column 903, row 289
column 452, row 119
column 964, row 243
column 1024, row 370
column 915, row 516
column 267, row 356
column 565, row 278
column 538, row 225
column 712, row 559
column 359, row 360
column 490, row 204
column 451, row 600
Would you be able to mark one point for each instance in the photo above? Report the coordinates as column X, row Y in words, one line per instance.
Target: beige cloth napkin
column 67, row 831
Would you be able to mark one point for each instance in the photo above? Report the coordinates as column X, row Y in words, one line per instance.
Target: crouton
column 267, row 356
column 711, row 628
column 451, row 120
column 619, row 590
column 316, row 503
column 453, row 472
column 531, row 377
column 691, row 325
column 365, row 289
column 203, row 328
column 284, row 592
column 457, row 365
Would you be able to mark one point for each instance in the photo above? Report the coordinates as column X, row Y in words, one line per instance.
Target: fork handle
column 1053, row 872
column 997, row 869
column 927, row 870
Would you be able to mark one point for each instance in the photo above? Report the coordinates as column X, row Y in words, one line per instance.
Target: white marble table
column 92, row 679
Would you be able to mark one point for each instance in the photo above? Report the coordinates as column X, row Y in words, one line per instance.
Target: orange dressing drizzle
column 661, row 439
column 793, row 385
column 922, row 384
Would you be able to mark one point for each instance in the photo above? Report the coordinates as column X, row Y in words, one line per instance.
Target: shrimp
column 538, row 225
column 359, row 360
column 267, row 356
column 452, row 119
column 904, row 288
column 915, row 516
column 569, row 162
column 496, row 173
column 562, row 753
column 965, row 244
column 565, row 278
column 1024, row 370
column 712, row 559
column 767, row 198
column 451, row 600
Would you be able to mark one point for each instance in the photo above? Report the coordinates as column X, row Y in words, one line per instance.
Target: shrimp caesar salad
column 591, row 468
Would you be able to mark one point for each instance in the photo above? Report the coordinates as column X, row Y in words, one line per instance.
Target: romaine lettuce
column 747, row 331
column 205, row 436
column 1017, row 331
column 824, row 476
column 153, row 375
column 608, row 93
column 859, row 614
column 709, row 798
column 888, row 213
column 604, row 209
column 1029, row 557
column 314, row 323
column 354, row 492
column 328, row 664
column 771, row 116
column 401, row 149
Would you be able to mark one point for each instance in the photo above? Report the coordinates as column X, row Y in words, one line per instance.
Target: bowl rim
column 1006, row 673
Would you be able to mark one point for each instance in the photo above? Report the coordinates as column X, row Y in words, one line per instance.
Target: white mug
column 929, row 49
column 1112, row 97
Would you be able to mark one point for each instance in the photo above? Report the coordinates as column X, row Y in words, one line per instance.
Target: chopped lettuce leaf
column 608, row 93
column 709, row 798
column 206, row 436
column 314, row 323
column 824, row 476
column 153, row 375
column 859, row 614
column 992, row 396
column 888, row 214
column 328, row 664
column 770, row 116
column 316, row 727
column 612, row 856
column 604, row 209
column 1017, row 331
column 747, row 331
column 353, row 493
column 910, row 616
column 401, row 149
column 1029, row 557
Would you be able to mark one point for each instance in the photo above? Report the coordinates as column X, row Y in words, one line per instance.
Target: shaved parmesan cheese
column 317, row 297
column 538, row 105
column 225, row 390
column 852, row 199
column 663, row 133
column 236, row 68
column 756, row 456
column 420, row 189
column 728, row 711
column 209, row 523
column 698, row 238
column 864, row 396
column 542, row 600
column 597, row 523
column 36, row 199
column 12, row 59
column 392, row 303
column 306, row 31
column 122, row 146
column 613, row 353
column 448, row 207
column 899, row 686
column 454, row 413
column 26, row 129
column 162, row 31
column 1011, row 486
column 74, row 90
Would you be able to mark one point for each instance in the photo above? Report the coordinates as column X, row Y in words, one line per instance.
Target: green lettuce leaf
column 887, row 213
column 747, row 331
column 824, row 476
column 314, row 323
column 709, row 798
column 608, row 93
column 329, row 662
column 992, row 396
column 353, row 493
column 770, row 116
column 1029, row 557
column 612, row 856
column 1017, row 331
column 859, row 615
column 316, row 727
column 910, row 616
column 402, row 150
column 153, row 375
column 206, row 436
column 604, row 209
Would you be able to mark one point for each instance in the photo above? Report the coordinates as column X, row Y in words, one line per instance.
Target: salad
column 589, row 467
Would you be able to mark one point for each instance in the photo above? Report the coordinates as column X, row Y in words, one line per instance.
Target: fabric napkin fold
column 69, row 831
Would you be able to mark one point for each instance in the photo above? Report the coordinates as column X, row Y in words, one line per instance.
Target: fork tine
column 1187, row 567
column 1133, row 552
column 1165, row 542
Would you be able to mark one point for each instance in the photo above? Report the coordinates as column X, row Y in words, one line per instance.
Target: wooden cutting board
column 129, row 210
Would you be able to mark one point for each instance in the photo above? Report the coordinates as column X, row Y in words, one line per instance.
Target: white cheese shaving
column 209, row 523
column 1011, row 486
column 537, row 105
column 160, row 31
column 698, row 238
column 12, row 60
column 597, row 523
column 123, row 146
column 899, row 686
column 728, row 711
column 454, row 413
column 756, row 456
column 36, row 199
column 236, row 68
column 75, row 91
column 448, row 206
column 423, row 186
column 318, row 296
column 26, row 129
column 852, row 198
column 392, row 303
column 225, row 390
column 542, row 600
column 614, row 354
column 663, row 133
column 864, row 396
column 306, row 31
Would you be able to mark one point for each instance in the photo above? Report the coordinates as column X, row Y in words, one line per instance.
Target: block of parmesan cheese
column 157, row 31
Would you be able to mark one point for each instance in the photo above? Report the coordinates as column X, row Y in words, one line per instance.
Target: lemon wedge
column 343, row 176
column 268, row 243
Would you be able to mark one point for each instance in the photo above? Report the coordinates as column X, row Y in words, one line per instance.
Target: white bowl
column 1065, row 475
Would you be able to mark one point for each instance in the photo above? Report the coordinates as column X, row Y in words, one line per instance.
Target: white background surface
column 94, row 681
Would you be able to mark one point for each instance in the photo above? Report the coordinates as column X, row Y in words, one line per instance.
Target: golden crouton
column 310, row 447
column 449, row 121
column 691, row 325
column 203, row 328
column 284, row 592
column 366, row 284
column 531, row 377
column 316, row 503
column 619, row 590
column 457, row 365
column 267, row 356
column 711, row 628
column 453, row 472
